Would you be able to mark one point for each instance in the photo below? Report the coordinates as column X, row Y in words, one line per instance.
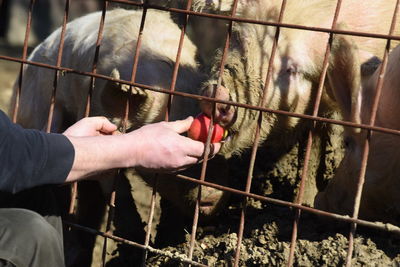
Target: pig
column 297, row 69
column 155, row 69
column 156, row 63
column 208, row 34
column 380, row 197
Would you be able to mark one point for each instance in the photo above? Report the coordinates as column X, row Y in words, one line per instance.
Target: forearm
column 156, row 147
column 100, row 153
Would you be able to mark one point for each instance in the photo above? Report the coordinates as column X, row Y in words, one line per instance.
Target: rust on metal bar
column 24, row 56
column 96, row 57
column 375, row 225
column 155, row 183
column 267, row 23
column 257, row 134
column 127, row 104
column 211, row 130
column 150, row 218
column 74, row 188
column 58, row 64
column 366, row 148
column 172, row 88
column 210, row 99
column 310, row 135
column 178, row 257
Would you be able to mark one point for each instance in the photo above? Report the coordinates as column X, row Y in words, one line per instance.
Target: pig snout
column 224, row 114
column 211, row 201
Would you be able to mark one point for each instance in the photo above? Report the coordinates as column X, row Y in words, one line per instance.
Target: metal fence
column 261, row 108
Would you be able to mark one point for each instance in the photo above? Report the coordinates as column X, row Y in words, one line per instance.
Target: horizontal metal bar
column 175, row 256
column 260, row 22
column 199, row 97
column 376, row 225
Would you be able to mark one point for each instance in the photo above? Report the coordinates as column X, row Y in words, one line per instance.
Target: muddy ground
column 268, row 230
column 268, row 227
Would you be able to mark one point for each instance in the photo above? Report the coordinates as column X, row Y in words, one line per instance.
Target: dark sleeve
column 30, row 157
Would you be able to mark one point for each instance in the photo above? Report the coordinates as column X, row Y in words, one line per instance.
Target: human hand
column 91, row 126
column 160, row 147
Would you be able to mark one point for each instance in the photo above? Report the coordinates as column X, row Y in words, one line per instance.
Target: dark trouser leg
column 27, row 239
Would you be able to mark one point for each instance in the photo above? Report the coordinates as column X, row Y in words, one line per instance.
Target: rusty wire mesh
column 261, row 108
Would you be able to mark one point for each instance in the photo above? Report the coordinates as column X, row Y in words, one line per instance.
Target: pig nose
column 224, row 113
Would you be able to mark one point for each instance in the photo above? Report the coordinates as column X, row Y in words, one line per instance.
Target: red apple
column 199, row 129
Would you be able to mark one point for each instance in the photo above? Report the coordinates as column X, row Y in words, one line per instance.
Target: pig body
column 155, row 68
column 380, row 197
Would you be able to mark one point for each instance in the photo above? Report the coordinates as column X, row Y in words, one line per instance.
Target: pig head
column 380, row 195
column 297, row 66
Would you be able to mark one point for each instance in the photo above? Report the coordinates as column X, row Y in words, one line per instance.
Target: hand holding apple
column 199, row 129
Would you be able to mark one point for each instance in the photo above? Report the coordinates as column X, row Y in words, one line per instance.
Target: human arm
column 155, row 147
column 31, row 157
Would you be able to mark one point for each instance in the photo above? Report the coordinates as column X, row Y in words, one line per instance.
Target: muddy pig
column 156, row 63
column 380, row 197
column 297, row 68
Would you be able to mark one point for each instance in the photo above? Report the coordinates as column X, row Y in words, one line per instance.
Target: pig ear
column 344, row 77
column 124, row 87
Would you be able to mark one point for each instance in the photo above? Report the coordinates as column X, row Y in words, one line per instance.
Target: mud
column 268, row 230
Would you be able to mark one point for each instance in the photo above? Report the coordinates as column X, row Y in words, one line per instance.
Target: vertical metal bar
column 96, row 57
column 150, row 219
column 170, row 98
column 58, row 64
column 88, row 100
column 86, row 114
column 257, row 134
column 210, row 131
column 110, row 218
column 124, row 128
column 310, row 136
column 24, row 56
column 365, row 153
column 178, row 58
column 155, row 181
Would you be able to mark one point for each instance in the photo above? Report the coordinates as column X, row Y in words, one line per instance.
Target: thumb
column 105, row 126
column 181, row 126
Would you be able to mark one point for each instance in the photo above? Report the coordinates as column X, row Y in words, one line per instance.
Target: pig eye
column 292, row 69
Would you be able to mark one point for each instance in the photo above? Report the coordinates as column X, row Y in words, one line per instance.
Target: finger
column 116, row 133
column 189, row 161
column 214, row 148
column 181, row 126
column 193, row 148
column 105, row 126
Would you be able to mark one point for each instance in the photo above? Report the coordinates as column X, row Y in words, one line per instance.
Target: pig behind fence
column 156, row 62
column 297, row 68
column 380, row 197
